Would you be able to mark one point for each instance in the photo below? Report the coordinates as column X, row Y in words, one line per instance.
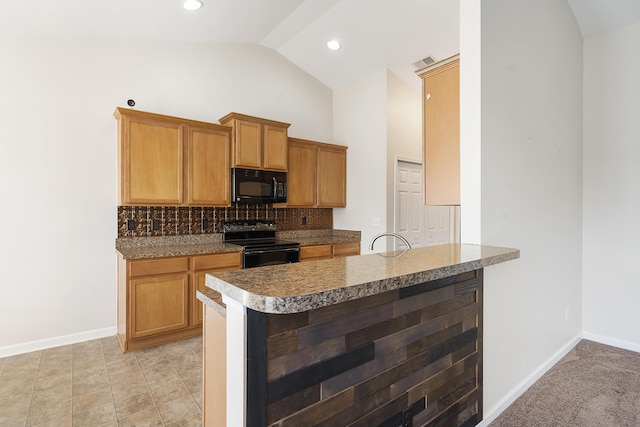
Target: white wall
column 470, row 122
column 531, row 188
column 378, row 117
column 360, row 122
column 404, row 133
column 404, row 118
column 58, row 163
column 612, row 187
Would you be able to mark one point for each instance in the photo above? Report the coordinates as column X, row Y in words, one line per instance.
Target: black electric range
column 260, row 246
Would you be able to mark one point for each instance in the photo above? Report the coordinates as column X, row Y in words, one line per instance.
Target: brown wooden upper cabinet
column 257, row 143
column 164, row 160
column 441, row 108
column 317, row 174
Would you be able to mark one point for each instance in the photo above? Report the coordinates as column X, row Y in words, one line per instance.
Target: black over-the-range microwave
column 258, row 186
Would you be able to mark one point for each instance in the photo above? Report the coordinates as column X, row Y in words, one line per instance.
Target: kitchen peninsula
column 378, row 339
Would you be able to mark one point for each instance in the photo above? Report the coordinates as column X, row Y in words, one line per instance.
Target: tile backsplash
column 179, row 221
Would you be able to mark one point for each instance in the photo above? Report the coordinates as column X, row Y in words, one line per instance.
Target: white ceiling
column 599, row 16
column 375, row 34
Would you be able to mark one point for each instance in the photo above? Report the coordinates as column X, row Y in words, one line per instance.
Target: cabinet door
column 332, row 177
column 158, row 304
column 315, row 252
column 301, row 178
column 151, row 161
column 247, row 144
column 274, row 148
column 208, row 167
column 346, row 249
column 442, row 134
column 213, row 263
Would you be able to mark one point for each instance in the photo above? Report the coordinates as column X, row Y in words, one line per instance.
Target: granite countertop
column 298, row 287
column 212, row 299
column 142, row 252
column 168, row 246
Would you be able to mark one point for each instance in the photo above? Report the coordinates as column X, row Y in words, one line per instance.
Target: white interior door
column 439, row 222
column 409, row 210
column 420, row 225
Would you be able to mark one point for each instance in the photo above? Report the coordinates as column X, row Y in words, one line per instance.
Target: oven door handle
column 267, row 251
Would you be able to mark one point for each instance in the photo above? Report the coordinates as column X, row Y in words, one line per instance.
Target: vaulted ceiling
column 374, row 34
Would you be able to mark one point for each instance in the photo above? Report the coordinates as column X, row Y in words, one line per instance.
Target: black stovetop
column 253, row 234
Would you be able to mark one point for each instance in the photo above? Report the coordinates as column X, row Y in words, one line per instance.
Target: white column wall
column 612, row 187
column 470, row 122
column 531, row 189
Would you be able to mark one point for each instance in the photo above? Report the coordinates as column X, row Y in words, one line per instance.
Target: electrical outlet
column 205, row 224
column 131, row 224
column 155, row 224
column 304, row 220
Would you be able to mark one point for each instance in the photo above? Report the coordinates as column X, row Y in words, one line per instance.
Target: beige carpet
column 593, row 385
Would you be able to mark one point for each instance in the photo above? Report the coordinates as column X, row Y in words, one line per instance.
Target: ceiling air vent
column 425, row 62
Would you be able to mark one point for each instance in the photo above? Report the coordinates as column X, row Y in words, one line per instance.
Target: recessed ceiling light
column 192, row 4
column 333, row 44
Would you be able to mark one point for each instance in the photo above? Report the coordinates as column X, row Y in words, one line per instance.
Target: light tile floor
column 93, row 384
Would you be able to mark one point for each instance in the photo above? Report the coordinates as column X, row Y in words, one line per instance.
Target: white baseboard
column 12, row 350
column 613, row 342
column 490, row 415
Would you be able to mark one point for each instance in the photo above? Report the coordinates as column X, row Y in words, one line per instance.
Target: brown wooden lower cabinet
column 207, row 264
column 315, row 252
column 346, row 249
column 326, row 251
column 157, row 297
column 158, row 304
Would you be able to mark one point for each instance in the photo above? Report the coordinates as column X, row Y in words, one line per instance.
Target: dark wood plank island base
column 408, row 352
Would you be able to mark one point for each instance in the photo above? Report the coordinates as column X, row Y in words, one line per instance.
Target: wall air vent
column 425, row 62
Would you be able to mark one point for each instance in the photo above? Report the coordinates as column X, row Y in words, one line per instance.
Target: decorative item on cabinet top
column 179, row 220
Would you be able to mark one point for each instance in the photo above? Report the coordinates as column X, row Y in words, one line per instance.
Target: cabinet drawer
column 316, row 251
column 148, row 267
column 215, row 261
column 346, row 249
